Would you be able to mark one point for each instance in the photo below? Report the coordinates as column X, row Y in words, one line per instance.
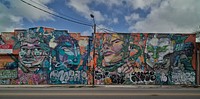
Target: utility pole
column 197, row 33
column 93, row 35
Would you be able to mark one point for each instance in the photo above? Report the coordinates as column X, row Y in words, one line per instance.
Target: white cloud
column 82, row 6
column 115, row 20
column 143, row 4
column 132, row 4
column 111, row 15
column 133, row 17
column 171, row 16
column 110, row 3
column 135, row 4
column 21, row 9
column 12, row 13
column 98, row 16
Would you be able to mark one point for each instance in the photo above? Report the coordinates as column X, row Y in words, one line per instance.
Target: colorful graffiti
column 157, row 52
column 46, row 56
column 119, row 55
column 33, row 53
column 69, row 64
column 182, row 60
column 8, row 74
column 142, row 77
column 145, row 58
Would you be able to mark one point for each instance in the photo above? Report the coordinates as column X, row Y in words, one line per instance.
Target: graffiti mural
column 157, row 50
column 33, row 55
column 172, row 57
column 182, row 59
column 145, row 58
column 68, row 58
column 46, row 56
column 8, row 74
column 118, row 56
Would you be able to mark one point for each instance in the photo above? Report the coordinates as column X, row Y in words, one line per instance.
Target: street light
column 93, row 35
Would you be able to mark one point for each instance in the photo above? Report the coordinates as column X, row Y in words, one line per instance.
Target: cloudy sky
column 124, row 16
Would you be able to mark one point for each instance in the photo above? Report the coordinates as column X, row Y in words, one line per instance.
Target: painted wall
column 46, row 56
column 145, row 59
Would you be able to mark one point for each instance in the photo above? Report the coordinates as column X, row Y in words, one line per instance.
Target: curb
column 143, row 86
column 99, row 86
column 45, row 86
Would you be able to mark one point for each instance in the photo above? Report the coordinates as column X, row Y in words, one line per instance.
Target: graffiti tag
column 142, row 77
column 67, row 76
column 6, row 74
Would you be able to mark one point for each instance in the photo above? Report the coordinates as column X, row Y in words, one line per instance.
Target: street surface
column 99, row 93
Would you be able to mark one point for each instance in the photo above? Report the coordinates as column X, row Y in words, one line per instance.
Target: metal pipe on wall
column 198, row 76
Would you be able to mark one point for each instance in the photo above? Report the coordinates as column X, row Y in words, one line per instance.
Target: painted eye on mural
column 23, row 49
column 22, row 53
column 37, row 51
column 66, row 49
column 116, row 41
column 150, row 48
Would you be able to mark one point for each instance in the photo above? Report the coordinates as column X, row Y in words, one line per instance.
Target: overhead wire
column 38, row 3
column 105, row 30
column 68, row 19
column 56, row 15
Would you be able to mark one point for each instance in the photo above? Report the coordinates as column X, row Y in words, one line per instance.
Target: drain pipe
column 198, row 76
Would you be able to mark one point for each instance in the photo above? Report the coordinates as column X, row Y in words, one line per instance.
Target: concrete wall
column 46, row 56
column 144, row 58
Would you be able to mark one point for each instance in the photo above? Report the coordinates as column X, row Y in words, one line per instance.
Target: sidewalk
column 99, row 86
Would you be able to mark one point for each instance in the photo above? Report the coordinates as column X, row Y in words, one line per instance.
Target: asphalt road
column 99, row 93
column 100, row 97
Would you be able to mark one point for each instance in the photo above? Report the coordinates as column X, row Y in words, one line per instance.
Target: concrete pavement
column 103, row 86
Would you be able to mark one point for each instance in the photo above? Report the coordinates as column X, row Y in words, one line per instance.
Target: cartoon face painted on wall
column 157, row 47
column 112, row 49
column 31, row 54
column 68, row 51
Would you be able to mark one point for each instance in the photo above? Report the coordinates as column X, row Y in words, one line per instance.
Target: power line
column 74, row 20
column 56, row 14
column 105, row 30
column 38, row 3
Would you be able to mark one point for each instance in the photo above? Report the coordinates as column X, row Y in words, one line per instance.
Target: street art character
column 67, row 51
column 66, row 59
column 33, row 53
column 182, row 70
column 157, row 50
column 114, row 61
column 113, row 49
column 115, row 52
column 31, row 56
